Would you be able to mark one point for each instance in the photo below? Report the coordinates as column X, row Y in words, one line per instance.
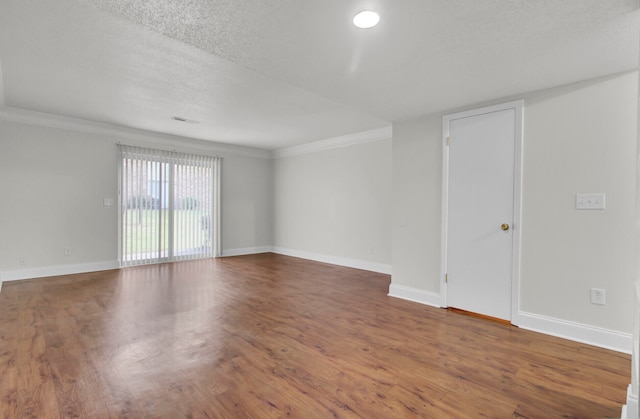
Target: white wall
column 335, row 205
column 53, row 182
column 578, row 138
column 247, row 199
column 417, row 189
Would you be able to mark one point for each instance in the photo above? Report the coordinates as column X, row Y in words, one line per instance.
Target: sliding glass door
column 169, row 206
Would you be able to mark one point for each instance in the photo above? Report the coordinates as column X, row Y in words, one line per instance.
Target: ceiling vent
column 181, row 119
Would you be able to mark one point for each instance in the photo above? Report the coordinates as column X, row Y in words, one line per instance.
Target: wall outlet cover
column 598, row 296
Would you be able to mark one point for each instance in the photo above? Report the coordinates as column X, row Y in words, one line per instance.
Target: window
column 169, row 206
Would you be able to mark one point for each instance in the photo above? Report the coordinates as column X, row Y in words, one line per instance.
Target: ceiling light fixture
column 366, row 19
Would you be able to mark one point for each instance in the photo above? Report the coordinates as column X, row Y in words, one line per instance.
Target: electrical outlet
column 370, row 250
column 22, row 261
column 598, row 296
column 67, row 251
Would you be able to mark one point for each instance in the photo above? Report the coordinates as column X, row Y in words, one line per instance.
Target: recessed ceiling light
column 366, row 19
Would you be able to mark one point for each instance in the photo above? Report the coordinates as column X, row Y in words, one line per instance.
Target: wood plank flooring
column 267, row 336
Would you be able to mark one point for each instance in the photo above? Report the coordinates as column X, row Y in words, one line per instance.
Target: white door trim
column 518, row 107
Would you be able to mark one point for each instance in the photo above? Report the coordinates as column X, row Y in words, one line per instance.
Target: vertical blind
column 170, row 205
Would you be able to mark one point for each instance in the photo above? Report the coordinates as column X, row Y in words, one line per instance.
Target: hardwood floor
column 272, row 336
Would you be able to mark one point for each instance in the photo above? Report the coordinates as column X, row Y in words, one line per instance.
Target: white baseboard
column 245, row 251
column 592, row 335
column 630, row 410
column 415, row 295
column 20, row 274
column 336, row 260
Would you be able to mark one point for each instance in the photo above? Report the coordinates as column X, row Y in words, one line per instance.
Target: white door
column 482, row 164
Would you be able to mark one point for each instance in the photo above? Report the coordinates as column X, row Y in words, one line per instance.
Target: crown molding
column 118, row 132
column 384, row 133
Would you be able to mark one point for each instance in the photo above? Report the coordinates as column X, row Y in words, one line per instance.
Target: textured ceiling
column 272, row 74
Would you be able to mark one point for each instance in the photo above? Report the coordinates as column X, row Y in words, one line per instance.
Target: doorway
column 481, row 210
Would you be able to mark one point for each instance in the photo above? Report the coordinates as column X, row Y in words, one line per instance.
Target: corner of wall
column 245, row 251
column 335, row 260
column 413, row 294
column 377, row 134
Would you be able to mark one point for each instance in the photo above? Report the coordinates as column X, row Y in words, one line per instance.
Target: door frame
column 518, row 106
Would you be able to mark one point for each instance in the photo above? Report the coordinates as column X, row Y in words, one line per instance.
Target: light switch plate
column 108, row 202
column 590, row 201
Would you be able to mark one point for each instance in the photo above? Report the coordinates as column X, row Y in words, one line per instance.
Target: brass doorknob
column 504, row 227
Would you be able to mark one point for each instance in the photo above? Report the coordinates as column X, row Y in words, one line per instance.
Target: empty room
column 353, row 209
